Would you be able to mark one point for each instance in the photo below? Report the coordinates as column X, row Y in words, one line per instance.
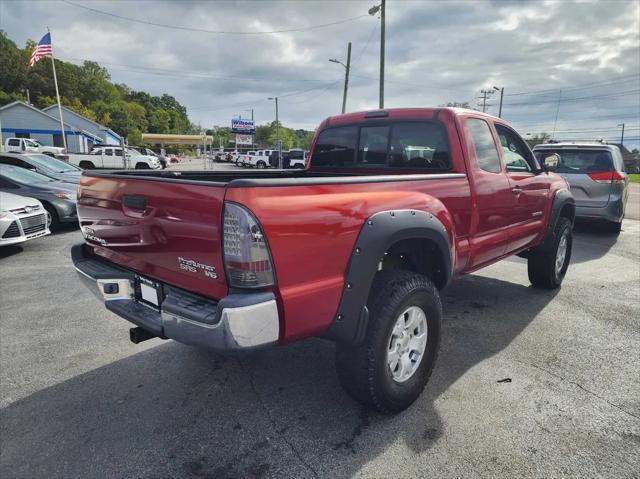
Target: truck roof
column 400, row 114
column 577, row 144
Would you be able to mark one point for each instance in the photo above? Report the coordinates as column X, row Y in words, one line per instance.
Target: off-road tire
column 541, row 264
column 363, row 370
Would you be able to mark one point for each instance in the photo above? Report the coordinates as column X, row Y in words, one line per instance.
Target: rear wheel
column 298, row 166
column 261, row 164
column 86, row 165
column 392, row 365
column 615, row 228
column 547, row 267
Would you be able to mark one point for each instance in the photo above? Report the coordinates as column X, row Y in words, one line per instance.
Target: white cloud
column 437, row 51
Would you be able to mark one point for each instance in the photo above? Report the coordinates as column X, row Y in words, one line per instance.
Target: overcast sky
column 585, row 54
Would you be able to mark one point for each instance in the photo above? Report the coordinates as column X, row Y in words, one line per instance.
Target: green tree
column 538, row 139
column 135, row 137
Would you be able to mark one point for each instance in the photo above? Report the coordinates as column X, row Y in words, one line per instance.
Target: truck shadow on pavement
column 592, row 240
column 175, row 411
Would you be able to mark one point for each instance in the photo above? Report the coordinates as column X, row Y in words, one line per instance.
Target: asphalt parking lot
column 528, row 383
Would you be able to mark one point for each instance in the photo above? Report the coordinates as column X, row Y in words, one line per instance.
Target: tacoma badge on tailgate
column 193, row 267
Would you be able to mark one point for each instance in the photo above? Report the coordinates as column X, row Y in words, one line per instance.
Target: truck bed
column 268, row 178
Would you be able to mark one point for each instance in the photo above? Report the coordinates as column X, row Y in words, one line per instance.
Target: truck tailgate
column 167, row 231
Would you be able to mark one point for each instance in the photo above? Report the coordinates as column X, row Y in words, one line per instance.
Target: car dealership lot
column 80, row 400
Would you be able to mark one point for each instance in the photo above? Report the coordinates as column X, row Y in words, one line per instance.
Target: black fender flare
column 562, row 198
column 377, row 235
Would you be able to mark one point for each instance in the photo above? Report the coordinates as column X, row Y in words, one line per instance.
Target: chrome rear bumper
column 236, row 322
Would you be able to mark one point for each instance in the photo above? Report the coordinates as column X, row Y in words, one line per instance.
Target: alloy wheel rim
column 407, row 343
column 561, row 254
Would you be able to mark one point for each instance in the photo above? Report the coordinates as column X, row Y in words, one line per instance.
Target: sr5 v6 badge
column 193, row 266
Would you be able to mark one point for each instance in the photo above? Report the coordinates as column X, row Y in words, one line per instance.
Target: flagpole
column 55, row 82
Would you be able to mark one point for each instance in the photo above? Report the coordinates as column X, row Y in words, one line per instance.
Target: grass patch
column 634, row 177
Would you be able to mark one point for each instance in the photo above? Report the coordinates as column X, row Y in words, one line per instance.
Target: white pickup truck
column 111, row 157
column 23, row 145
column 258, row 160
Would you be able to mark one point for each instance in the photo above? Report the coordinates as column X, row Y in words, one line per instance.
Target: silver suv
column 595, row 173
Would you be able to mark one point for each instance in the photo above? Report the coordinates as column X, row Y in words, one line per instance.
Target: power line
column 563, row 100
column 218, row 32
column 261, row 100
column 582, row 119
column 195, row 74
column 622, row 79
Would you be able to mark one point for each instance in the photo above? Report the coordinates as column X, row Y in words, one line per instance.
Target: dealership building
column 22, row 120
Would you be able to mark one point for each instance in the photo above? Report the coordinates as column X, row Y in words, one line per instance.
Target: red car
column 356, row 248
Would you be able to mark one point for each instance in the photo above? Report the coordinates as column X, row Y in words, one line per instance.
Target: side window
column 6, row 184
column 514, row 151
column 336, row 146
column 7, row 160
column 14, row 142
column 373, row 145
column 108, row 152
column 117, row 152
column 486, row 152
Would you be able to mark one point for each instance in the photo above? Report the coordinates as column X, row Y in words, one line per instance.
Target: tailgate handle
column 135, row 202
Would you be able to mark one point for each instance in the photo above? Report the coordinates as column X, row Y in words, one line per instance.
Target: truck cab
column 27, row 145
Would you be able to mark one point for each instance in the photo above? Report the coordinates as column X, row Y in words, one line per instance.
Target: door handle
column 516, row 191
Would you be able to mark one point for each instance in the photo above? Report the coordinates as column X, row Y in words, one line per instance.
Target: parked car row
column 37, row 193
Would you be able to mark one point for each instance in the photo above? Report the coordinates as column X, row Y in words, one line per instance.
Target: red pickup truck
column 393, row 205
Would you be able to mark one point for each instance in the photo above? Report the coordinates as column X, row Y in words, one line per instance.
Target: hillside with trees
column 88, row 90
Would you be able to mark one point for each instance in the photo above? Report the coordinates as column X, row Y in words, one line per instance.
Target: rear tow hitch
column 137, row 335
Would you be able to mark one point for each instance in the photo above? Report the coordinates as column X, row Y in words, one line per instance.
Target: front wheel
column 53, row 221
column 392, row 365
column 262, row 164
column 142, row 166
column 548, row 267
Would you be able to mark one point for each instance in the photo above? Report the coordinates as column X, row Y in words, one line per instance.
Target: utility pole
column 279, row 145
column 485, row 95
column 372, row 11
column 622, row 136
column 346, row 79
column 501, row 90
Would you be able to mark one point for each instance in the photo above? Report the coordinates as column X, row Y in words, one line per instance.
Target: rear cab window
column 415, row 145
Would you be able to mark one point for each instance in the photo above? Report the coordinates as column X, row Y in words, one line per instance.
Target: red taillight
column 607, row 177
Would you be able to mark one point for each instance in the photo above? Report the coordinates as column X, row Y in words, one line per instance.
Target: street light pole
column 622, row 136
column 278, row 133
column 372, row 11
column 501, row 90
column 346, row 76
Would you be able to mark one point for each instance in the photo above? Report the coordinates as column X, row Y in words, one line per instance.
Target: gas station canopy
column 174, row 139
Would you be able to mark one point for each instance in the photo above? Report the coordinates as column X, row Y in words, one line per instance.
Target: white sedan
column 21, row 219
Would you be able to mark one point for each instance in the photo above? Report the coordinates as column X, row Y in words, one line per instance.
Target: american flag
column 43, row 50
